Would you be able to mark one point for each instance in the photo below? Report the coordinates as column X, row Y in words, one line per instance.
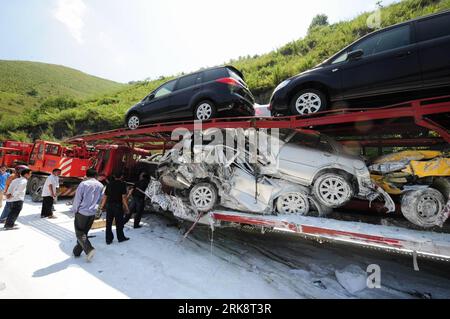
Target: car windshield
column 314, row 141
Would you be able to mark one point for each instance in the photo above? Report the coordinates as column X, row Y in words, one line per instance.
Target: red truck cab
column 121, row 158
column 46, row 156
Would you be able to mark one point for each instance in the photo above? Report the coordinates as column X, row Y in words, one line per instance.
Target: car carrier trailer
column 417, row 123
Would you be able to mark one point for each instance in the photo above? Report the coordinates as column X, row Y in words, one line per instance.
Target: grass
column 26, row 85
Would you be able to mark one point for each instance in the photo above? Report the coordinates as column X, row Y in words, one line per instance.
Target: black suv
column 411, row 56
column 202, row 95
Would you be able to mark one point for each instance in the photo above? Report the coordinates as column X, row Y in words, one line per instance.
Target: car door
column 304, row 156
column 433, row 37
column 390, row 63
column 185, row 89
column 157, row 105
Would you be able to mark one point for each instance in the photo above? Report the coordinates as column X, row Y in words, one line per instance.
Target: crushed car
column 420, row 181
column 304, row 170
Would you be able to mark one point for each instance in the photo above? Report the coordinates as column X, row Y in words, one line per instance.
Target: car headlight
column 282, row 85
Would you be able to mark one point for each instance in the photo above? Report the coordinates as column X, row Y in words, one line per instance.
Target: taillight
column 229, row 81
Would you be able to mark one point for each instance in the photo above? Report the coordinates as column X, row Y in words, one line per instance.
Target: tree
column 318, row 21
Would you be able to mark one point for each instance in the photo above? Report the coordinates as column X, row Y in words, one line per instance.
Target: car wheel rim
column 202, row 197
column 428, row 207
column 293, row 204
column 204, row 112
column 334, row 191
column 308, row 103
column 133, row 122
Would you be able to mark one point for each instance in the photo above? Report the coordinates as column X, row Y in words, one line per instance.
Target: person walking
column 16, row 196
column 3, row 177
column 49, row 194
column 11, row 178
column 115, row 199
column 137, row 204
column 84, row 207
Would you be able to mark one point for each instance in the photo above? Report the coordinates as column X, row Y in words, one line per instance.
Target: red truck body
column 13, row 153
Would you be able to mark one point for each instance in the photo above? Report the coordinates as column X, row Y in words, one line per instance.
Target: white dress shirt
column 51, row 180
column 17, row 189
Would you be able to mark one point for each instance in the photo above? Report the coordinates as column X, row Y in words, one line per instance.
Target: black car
column 202, row 96
column 411, row 56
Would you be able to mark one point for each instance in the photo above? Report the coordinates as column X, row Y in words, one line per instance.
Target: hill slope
column 263, row 73
column 24, row 85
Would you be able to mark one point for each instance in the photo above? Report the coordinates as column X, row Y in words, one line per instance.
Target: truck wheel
column 35, row 188
column 424, row 207
column 203, row 197
column 333, row 190
column 309, row 101
column 293, row 204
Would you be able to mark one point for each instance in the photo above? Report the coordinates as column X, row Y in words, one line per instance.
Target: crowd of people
column 118, row 200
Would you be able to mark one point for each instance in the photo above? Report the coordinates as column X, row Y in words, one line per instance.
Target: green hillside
column 63, row 118
column 24, row 85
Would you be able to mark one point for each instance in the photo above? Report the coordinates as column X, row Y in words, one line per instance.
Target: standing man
column 115, row 199
column 16, row 196
column 49, row 194
column 84, row 205
column 137, row 205
column 10, row 179
column 3, row 177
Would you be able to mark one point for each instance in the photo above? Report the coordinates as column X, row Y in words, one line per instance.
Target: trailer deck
column 425, row 244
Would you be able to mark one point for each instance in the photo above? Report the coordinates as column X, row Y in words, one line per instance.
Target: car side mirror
column 148, row 98
column 354, row 55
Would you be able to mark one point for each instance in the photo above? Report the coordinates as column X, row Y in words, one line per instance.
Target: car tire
column 204, row 111
column 133, row 122
column 333, row 190
column 203, row 197
column 308, row 101
column 424, row 207
column 293, row 204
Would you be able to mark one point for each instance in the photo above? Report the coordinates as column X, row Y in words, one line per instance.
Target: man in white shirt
column 49, row 194
column 16, row 195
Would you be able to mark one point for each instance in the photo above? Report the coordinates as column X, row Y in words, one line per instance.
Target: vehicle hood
column 307, row 72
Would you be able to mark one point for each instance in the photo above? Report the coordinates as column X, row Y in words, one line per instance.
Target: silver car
column 290, row 172
column 232, row 184
column 319, row 162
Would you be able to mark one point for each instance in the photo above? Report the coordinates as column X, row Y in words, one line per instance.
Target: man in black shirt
column 138, row 200
column 115, row 199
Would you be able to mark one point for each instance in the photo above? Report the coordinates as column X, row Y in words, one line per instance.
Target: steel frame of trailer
column 359, row 123
column 351, row 125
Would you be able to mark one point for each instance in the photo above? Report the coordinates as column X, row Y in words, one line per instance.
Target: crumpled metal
column 167, row 202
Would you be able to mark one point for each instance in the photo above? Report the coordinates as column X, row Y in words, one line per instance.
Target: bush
column 59, row 103
column 107, row 101
column 32, row 92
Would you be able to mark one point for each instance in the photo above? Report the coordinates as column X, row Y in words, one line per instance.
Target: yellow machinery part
column 408, row 155
column 385, row 185
column 437, row 167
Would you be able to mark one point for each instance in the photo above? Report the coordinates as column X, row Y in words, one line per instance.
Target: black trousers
column 114, row 211
column 137, row 206
column 47, row 205
column 83, row 225
column 16, row 208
